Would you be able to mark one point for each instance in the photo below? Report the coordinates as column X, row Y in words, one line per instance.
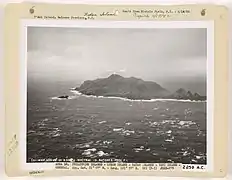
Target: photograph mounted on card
column 116, row 90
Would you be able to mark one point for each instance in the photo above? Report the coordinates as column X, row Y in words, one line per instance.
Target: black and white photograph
column 136, row 95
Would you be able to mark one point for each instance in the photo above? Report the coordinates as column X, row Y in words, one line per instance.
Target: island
column 63, row 97
column 186, row 95
column 133, row 88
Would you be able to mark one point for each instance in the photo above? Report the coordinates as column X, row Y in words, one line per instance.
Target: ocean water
column 108, row 128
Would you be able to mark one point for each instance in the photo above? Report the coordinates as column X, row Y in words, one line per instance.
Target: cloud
column 122, row 70
column 90, row 53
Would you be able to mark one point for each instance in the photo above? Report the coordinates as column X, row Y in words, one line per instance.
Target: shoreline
column 134, row 100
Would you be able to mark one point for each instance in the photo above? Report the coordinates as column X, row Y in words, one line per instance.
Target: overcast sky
column 160, row 55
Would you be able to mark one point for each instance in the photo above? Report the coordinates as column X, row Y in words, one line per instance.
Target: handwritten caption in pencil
column 136, row 13
column 12, row 145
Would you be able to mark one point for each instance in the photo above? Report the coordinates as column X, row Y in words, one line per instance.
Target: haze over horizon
column 174, row 58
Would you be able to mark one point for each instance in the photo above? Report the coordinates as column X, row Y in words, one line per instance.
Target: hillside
column 118, row 86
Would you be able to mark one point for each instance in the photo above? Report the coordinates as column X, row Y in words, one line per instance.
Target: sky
column 170, row 57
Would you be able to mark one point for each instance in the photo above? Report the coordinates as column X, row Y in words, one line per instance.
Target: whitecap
column 46, row 119
column 181, row 123
column 86, row 145
column 102, row 153
column 193, row 160
column 92, row 150
column 56, row 98
column 107, row 142
column 186, row 153
column 55, row 132
column 139, row 149
column 117, row 129
column 57, row 129
column 101, row 122
column 199, row 157
column 86, row 153
column 128, row 131
column 170, row 140
column 55, row 135
column 154, row 124
column 79, row 133
column 41, row 123
column 160, row 132
column 148, row 116
column 128, row 123
column 169, row 121
column 30, row 131
column 186, row 123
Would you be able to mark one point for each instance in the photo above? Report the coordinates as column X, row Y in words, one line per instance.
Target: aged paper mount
column 29, row 19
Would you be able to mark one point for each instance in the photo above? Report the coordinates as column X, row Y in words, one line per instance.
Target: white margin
column 113, row 24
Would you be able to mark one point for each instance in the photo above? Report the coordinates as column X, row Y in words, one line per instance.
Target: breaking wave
column 132, row 100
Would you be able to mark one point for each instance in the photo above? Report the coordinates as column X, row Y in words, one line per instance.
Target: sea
column 115, row 129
